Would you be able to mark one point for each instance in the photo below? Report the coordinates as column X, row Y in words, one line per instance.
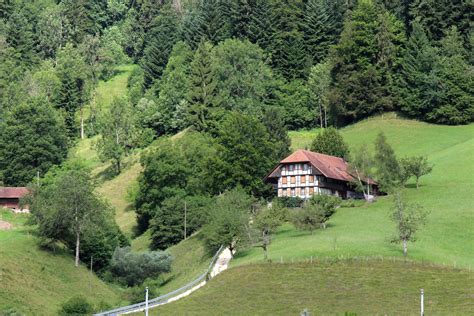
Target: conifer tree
column 161, row 40
column 362, row 63
column 202, row 89
column 19, row 35
column 457, row 82
column 322, row 25
column 418, row 83
column 288, row 51
column 261, row 25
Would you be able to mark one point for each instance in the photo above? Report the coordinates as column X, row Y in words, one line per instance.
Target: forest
column 234, row 75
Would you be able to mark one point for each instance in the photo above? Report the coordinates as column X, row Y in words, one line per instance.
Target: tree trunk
column 82, row 122
column 118, row 165
column 417, row 181
column 76, row 263
column 324, row 225
column 265, row 252
column 405, row 247
column 325, row 118
column 320, row 115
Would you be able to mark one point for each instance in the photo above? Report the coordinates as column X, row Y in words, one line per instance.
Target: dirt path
column 5, row 225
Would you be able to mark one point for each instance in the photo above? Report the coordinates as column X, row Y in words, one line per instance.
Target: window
column 284, row 192
column 280, row 192
column 305, row 167
column 291, row 167
column 288, row 192
column 298, row 191
column 311, row 178
column 311, row 191
column 283, row 169
column 284, row 180
column 293, row 180
column 293, row 192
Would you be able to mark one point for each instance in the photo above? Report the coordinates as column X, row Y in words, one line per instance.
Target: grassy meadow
column 35, row 281
column 355, row 287
column 366, row 230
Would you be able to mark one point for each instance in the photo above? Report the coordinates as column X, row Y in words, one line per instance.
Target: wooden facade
column 305, row 173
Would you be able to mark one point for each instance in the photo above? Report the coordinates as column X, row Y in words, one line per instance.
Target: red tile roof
column 12, row 193
column 330, row 166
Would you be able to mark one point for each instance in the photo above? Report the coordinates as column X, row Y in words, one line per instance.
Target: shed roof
column 12, row 192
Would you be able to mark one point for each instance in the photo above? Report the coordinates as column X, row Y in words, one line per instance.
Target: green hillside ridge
column 366, row 230
column 36, row 282
column 363, row 287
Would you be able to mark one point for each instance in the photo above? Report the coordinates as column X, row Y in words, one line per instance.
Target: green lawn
column 371, row 287
column 37, row 282
column 366, row 230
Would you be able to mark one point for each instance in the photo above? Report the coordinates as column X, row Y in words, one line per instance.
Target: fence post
column 146, row 301
column 422, row 303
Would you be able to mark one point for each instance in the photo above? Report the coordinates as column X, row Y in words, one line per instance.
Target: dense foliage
column 133, row 268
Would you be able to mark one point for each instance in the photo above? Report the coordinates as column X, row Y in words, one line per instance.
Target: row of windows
column 297, row 179
column 308, row 191
column 297, row 166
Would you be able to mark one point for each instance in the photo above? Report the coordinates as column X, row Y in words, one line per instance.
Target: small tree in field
column 326, row 206
column 265, row 223
column 388, row 170
column 330, row 142
column 362, row 167
column 228, row 220
column 414, row 166
column 408, row 218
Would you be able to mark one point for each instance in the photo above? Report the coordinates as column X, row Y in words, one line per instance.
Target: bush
column 76, row 305
column 288, row 201
column 136, row 294
column 133, row 268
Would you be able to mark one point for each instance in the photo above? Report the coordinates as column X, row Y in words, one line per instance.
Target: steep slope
column 36, row 282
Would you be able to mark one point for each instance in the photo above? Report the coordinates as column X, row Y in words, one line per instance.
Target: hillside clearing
column 331, row 287
column 366, row 230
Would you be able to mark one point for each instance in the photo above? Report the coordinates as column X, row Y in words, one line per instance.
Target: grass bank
column 362, row 287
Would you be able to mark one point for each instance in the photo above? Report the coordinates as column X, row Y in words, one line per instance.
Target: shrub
column 133, row 268
column 76, row 305
column 288, row 201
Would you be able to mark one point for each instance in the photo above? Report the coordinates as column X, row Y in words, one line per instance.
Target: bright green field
column 448, row 193
column 364, row 287
column 37, row 282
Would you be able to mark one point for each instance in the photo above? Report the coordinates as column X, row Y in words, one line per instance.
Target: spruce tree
column 160, row 42
column 418, row 83
column 261, row 25
column 457, row 83
column 288, row 51
column 202, row 89
column 20, row 36
column 322, row 25
column 363, row 63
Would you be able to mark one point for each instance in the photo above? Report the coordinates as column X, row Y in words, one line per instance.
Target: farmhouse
column 305, row 173
column 10, row 197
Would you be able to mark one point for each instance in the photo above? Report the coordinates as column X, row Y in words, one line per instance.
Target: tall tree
column 202, row 88
column 457, row 82
column 243, row 77
column 276, row 128
column 118, row 133
column 361, row 166
column 388, row 169
column 418, row 82
column 362, row 64
column 261, row 26
column 288, row 50
column 74, row 76
column 318, row 85
column 246, row 153
column 330, row 142
column 159, row 44
column 32, row 139
column 172, row 103
column 322, row 25
column 228, row 221
column 68, row 208
column 20, row 36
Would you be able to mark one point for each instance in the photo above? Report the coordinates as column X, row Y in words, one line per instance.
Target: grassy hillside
column 366, row 230
column 37, row 282
column 325, row 288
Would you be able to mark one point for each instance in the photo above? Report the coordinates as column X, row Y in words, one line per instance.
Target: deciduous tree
column 330, row 142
